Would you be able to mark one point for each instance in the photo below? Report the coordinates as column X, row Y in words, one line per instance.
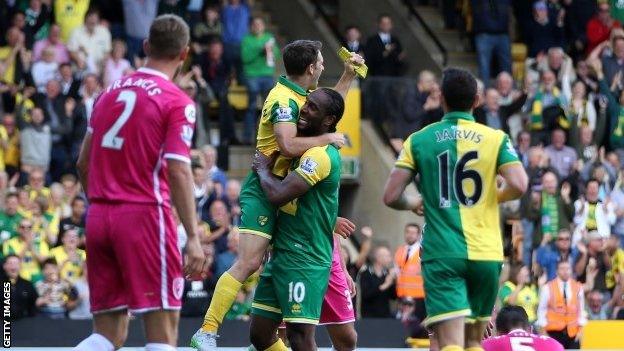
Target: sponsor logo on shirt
column 284, row 114
column 262, row 220
column 308, row 166
column 511, row 149
column 187, row 134
column 189, row 113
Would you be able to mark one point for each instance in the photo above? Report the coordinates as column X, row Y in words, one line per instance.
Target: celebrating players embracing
column 136, row 149
column 458, row 161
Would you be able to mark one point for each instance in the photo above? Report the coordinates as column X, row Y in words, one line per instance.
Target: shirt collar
column 459, row 115
column 153, row 72
column 292, row 86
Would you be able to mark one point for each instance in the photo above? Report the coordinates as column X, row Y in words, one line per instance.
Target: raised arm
column 348, row 76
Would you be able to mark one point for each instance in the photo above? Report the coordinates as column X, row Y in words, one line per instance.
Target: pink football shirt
column 520, row 340
column 138, row 122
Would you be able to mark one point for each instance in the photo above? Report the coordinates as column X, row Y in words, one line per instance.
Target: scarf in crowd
column 619, row 129
column 550, row 214
column 581, row 116
column 537, row 120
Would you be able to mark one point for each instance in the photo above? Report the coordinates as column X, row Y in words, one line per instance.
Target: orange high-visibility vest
column 409, row 279
column 560, row 315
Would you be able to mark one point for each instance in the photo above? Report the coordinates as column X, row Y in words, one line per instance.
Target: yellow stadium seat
column 603, row 335
column 237, row 96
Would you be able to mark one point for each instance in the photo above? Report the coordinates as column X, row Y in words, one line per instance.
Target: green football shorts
column 258, row 215
column 456, row 287
column 294, row 295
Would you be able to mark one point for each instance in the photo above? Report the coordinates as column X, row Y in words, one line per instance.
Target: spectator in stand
column 36, row 143
column 377, row 285
column 418, row 101
column 562, row 324
column 353, row 40
column 70, row 85
column 116, row 66
column 226, row 259
column 56, row 297
column 82, row 309
column 69, row 257
column 258, row 54
column 409, row 283
column 37, row 18
column 176, row 7
column 578, row 14
column 4, row 144
column 14, row 58
column 491, row 31
column 198, row 292
column 593, row 248
column 591, row 214
column 11, row 153
column 232, row 198
column 523, row 147
column 596, row 308
column 365, row 244
column 235, row 15
column 614, row 108
column 10, row 218
column 45, row 225
column 544, row 32
column 45, row 70
column 518, row 290
column 77, row 219
column 30, row 249
column 221, row 226
column 23, row 293
column 545, row 106
column 58, row 112
column 199, row 91
column 89, row 45
column 613, row 58
column 562, row 157
column 69, row 15
column 549, row 254
column 61, row 54
column 615, row 276
column 207, row 30
column 215, row 173
column 139, row 15
column 600, row 26
column 582, row 111
column 493, row 114
column 557, row 62
column 217, row 72
column 384, row 52
column 89, row 92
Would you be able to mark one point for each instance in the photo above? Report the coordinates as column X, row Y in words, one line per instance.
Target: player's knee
column 347, row 341
column 250, row 264
column 259, row 339
column 300, row 339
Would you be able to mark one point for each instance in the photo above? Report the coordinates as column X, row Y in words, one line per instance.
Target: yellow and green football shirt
column 30, row 269
column 617, row 268
column 458, row 160
column 282, row 105
column 305, row 225
column 527, row 298
column 70, row 270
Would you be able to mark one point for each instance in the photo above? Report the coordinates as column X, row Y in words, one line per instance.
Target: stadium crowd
column 564, row 111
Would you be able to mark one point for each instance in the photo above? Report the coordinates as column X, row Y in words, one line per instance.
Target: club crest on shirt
column 511, row 149
column 189, row 113
column 178, row 287
column 262, row 220
column 284, row 114
column 308, row 166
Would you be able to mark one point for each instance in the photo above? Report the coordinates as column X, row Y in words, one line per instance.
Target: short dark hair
column 563, row 261
column 415, row 225
column 92, row 11
column 351, row 26
column 382, row 16
column 335, row 107
column 6, row 258
column 168, row 36
column 50, row 260
column 459, row 88
column 76, row 199
column 511, row 317
column 300, row 54
column 591, row 180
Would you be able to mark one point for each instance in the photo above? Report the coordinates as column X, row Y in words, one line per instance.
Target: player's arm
column 278, row 192
column 83, row 161
column 401, row 175
column 291, row 145
column 512, row 171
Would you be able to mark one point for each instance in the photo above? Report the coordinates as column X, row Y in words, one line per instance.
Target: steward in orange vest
column 409, row 279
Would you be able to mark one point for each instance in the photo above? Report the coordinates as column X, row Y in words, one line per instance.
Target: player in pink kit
column 136, row 149
column 512, row 325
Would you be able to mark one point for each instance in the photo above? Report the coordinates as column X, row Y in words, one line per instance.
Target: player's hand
column 263, row 162
column 337, row 139
column 351, row 285
column 195, row 262
column 344, row 227
column 354, row 61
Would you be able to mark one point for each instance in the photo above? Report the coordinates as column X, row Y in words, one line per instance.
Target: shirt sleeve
column 542, row 308
column 284, row 111
column 506, row 153
column 314, row 165
column 406, row 158
column 504, row 293
column 181, row 122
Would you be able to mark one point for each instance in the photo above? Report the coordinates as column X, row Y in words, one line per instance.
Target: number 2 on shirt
column 110, row 139
column 521, row 344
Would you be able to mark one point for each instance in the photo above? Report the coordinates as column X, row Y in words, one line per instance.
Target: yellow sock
column 474, row 349
column 224, row 295
column 278, row 346
column 452, row 348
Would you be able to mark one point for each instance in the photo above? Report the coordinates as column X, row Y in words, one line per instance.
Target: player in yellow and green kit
column 293, row 282
column 458, row 161
column 277, row 132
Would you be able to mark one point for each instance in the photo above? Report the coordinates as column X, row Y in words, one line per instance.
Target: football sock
column 224, row 295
